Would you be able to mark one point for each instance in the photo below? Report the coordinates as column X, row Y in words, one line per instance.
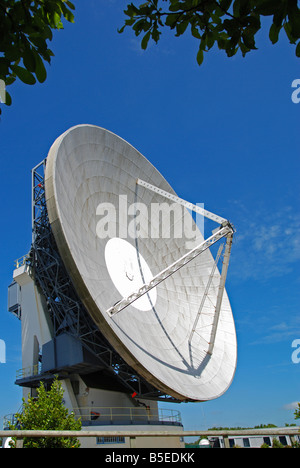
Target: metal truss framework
column 67, row 312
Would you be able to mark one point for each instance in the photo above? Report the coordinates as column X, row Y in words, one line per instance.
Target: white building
column 254, row 441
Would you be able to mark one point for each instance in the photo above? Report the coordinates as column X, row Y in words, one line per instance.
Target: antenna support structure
column 225, row 229
column 90, row 286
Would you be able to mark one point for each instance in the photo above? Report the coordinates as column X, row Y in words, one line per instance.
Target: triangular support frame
column 225, row 230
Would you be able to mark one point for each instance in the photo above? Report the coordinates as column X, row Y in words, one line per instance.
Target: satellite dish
column 156, row 301
column 204, row 443
column 7, row 442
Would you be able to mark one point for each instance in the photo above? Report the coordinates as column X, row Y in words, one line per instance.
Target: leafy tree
column 276, row 443
column 297, row 412
column 25, row 30
column 265, row 426
column 47, row 412
column 230, row 24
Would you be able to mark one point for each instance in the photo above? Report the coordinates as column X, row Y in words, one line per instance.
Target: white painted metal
column 181, row 201
column 220, row 293
column 36, row 327
column 120, row 257
column 181, row 262
column 88, row 166
column 204, row 297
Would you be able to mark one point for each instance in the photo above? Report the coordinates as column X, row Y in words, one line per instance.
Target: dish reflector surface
column 90, row 183
column 129, row 271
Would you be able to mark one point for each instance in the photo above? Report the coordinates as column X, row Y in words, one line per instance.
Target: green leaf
column 155, row 34
column 145, row 40
column 200, row 56
column 267, row 7
column 225, row 4
column 171, row 21
column 244, row 49
column 174, row 6
column 4, row 67
column 10, row 80
column 245, row 7
column 181, row 27
column 29, row 59
column 288, row 30
column 70, row 4
column 274, row 33
column 67, row 14
column 195, row 32
column 12, row 52
column 57, row 21
column 248, row 38
column 24, row 75
column 294, row 18
column 8, row 99
column 230, row 49
column 40, row 69
column 132, row 10
column 210, row 40
column 298, row 49
column 139, row 26
column 222, row 42
column 254, row 22
column 236, row 8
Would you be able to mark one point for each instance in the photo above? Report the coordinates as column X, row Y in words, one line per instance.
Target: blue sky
column 225, row 134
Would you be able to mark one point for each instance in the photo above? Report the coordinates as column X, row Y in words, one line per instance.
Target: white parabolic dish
column 89, row 166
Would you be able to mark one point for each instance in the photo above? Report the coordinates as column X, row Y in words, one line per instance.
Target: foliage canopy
column 231, row 24
column 297, row 412
column 47, row 412
column 25, row 30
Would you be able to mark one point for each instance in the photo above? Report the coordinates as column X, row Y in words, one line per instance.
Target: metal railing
column 127, row 415
column 24, row 260
column 9, row 420
column 132, row 435
column 30, row 371
column 97, row 416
